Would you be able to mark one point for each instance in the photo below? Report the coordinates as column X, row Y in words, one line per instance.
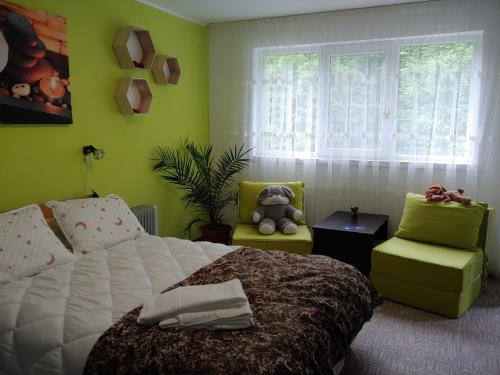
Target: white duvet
column 49, row 322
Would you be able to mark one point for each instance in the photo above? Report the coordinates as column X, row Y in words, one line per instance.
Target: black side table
column 349, row 239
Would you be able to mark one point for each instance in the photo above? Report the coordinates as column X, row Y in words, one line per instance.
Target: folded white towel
column 192, row 298
column 232, row 318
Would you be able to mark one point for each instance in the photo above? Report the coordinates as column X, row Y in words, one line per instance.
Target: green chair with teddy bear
column 436, row 260
column 271, row 217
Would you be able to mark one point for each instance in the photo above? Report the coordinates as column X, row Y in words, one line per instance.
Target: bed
column 79, row 317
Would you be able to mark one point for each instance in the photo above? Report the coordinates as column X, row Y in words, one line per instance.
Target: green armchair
column 436, row 261
column 245, row 233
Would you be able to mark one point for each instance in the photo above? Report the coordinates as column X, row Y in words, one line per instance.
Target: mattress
column 50, row 322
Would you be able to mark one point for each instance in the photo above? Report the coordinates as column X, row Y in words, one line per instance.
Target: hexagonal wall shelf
column 133, row 96
column 134, row 48
column 166, row 70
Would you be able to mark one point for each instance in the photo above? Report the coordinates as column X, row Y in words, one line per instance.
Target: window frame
column 335, row 50
column 258, row 97
column 391, row 48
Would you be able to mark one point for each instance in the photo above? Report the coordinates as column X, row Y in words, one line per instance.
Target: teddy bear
column 275, row 210
column 437, row 193
column 457, row 196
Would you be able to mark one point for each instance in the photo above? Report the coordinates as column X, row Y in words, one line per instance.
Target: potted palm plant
column 206, row 183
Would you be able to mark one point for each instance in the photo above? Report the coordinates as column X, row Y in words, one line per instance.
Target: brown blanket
column 307, row 311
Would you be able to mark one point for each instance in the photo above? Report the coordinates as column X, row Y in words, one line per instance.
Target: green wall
column 42, row 162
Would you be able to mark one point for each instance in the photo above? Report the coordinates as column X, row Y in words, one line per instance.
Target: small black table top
column 343, row 221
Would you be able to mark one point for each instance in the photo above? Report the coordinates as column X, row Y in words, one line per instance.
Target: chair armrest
column 489, row 231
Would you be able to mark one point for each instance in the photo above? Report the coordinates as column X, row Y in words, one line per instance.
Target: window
column 408, row 99
column 290, row 91
column 354, row 101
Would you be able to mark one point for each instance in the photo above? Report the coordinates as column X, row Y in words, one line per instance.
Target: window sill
column 368, row 163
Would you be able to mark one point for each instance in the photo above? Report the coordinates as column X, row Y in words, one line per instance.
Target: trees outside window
column 405, row 99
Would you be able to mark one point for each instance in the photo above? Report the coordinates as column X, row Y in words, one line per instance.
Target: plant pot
column 218, row 233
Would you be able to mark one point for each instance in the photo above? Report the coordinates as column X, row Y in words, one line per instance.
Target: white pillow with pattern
column 28, row 245
column 96, row 223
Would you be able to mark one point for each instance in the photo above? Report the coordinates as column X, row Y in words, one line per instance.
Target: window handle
column 387, row 113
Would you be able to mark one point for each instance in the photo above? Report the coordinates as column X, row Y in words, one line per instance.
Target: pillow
column 27, row 245
column 248, row 197
column 54, row 225
column 47, row 211
column 450, row 224
column 95, row 223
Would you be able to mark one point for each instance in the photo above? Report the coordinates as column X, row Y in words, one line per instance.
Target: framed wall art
column 35, row 86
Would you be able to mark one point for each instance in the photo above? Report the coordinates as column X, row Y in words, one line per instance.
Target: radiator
column 148, row 217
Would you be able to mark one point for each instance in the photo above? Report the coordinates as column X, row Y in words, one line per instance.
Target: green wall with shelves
column 41, row 162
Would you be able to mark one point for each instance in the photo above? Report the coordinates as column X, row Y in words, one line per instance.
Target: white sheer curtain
column 365, row 105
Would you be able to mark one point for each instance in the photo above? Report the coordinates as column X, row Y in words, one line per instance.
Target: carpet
column 401, row 340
